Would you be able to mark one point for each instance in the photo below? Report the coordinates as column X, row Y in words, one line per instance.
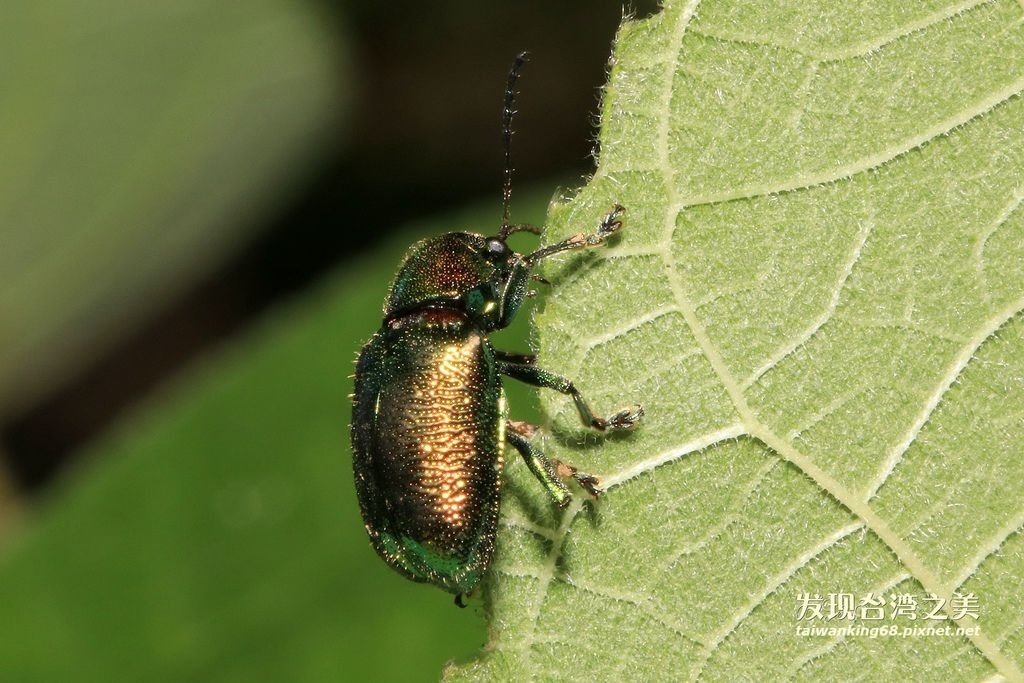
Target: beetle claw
column 611, row 223
column 626, row 419
column 590, row 483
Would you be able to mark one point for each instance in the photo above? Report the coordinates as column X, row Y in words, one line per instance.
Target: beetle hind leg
column 549, row 472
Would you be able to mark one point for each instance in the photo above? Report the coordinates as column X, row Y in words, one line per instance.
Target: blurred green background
column 201, row 205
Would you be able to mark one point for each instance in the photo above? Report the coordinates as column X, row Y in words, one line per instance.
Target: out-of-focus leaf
column 139, row 141
column 216, row 537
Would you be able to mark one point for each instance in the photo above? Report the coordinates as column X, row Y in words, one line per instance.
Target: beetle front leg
column 549, row 473
column 624, row 419
column 608, row 226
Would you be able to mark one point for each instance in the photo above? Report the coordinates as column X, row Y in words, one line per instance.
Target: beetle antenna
column 506, row 133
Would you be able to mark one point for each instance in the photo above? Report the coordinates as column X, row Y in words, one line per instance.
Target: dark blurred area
column 411, row 131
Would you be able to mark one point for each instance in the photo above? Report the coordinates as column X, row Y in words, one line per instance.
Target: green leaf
column 817, row 297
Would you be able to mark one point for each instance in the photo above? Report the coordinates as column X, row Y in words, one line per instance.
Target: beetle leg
column 611, row 222
column 589, row 482
column 624, row 419
column 540, row 279
column 515, row 358
column 526, row 430
column 541, row 467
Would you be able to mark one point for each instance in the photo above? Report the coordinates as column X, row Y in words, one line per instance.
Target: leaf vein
column 825, row 411
column 741, row 499
column 637, row 602
column 819, row 652
column 855, row 50
column 867, row 323
column 802, row 96
column 865, row 163
column 826, row 315
column 733, row 431
column 634, row 324
column 737, row 618
column 988, row 548
column 547, row 574
column 899, row 547
column 513, row 521
column 979, row 249
column 960, row 361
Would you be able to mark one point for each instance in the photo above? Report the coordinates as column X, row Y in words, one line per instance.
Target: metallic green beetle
column 429, row 416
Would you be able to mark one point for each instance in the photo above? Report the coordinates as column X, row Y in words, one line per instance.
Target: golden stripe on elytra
column 448, row 439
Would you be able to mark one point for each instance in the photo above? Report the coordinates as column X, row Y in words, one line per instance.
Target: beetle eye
column 496, row 249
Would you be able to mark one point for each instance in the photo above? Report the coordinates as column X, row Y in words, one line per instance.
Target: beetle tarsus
column 458, row 601
column 624, row 419
column 590, row 483
column 609, row 225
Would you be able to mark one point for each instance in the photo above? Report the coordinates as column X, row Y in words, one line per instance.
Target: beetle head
column 481, row 276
